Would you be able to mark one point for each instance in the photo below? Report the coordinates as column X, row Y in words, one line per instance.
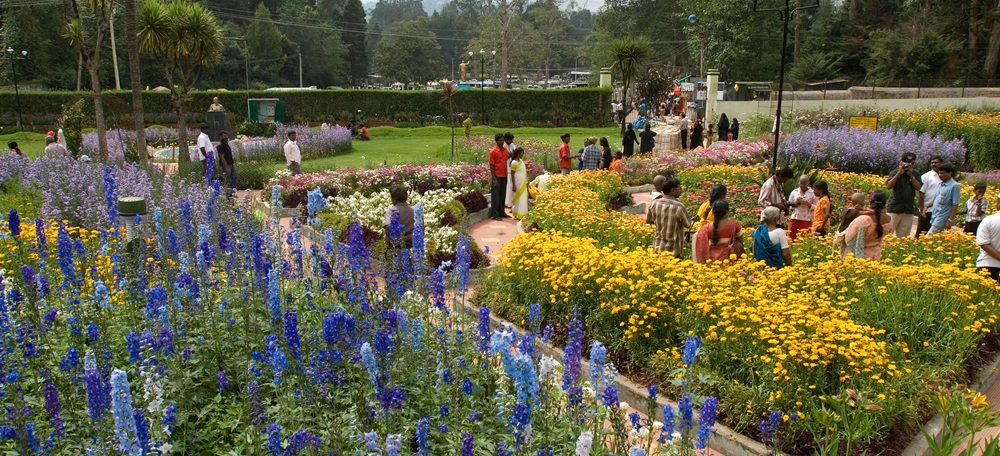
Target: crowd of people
column 933, row 200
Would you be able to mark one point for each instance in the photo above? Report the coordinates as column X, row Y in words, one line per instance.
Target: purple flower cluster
column 312, row 144
column 860, row 150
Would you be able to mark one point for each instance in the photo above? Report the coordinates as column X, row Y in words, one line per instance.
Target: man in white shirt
column 508, row 139
column 988, row 240
column 203, row 148
column 929, row 184
column 293, row 157
column 53, row 148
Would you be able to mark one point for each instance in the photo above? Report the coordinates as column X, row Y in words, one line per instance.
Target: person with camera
column 904, row 186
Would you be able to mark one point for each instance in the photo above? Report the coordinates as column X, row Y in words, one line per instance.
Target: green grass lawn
column 30, row 143
column 392, row 146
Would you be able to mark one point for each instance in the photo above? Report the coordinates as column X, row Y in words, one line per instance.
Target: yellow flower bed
column 977, row 130
column 777, row 339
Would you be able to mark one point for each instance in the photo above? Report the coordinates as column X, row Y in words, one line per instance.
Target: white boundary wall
column 743, row 109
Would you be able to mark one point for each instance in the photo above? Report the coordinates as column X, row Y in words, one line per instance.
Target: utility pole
column 300, row 71
column 114, row 53
column 786, row 13
column 17, row 95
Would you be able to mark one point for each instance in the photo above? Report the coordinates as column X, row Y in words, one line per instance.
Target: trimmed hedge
column 557, row 107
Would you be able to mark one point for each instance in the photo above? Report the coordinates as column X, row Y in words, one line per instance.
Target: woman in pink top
column 863, row 238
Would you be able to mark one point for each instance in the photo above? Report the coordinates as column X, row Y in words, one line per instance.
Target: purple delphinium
column 467, row 441
column 97, row 399
column 423, row 426
column 861, row 150
column 292, row 333
column 53, row 408
column 222, row 381
column 124, row 414
column 484, row 329
column 14, row 223
column 573, row 354
column 667, row 431
column 705, row 421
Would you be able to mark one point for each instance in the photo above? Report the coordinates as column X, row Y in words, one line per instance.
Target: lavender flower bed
column 861, row 150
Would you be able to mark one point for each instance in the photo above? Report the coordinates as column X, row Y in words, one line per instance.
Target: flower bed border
column 988, row 377
column 727, row 441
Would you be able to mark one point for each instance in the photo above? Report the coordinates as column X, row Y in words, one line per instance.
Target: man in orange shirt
column 565, row 163
column 498, row 178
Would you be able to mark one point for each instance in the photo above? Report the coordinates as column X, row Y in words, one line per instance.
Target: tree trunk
column 625, row 110
column 993, row 53
column 102, row 130
column 135, row 78
column 183, row 155
column 854, row 11
column 79, row 71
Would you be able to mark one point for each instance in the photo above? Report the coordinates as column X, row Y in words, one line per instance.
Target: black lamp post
column 786, row 13
column 482, row 84
column 17, row 95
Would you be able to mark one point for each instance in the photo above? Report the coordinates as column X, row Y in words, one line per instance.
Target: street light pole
column 495, row 70
column 786, row 13
column 482, row 85
column 17, row 95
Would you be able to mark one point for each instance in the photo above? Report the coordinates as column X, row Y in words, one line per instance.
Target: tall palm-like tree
column 135, row 78
column 185, row 39
column 88, row 41
column 630, row 53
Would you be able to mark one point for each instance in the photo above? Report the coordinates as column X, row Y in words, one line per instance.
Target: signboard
column 721, row 91
column 870, row 123
column 702, row 92
column 687, row 86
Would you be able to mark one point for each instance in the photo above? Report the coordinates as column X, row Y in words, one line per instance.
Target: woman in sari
column 518, row 193
column 770, row 244
column 716, row 240
column 863, row 238
column 705, row 217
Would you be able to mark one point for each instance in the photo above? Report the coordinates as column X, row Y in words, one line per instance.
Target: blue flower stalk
column 14, row 224
column 418, row 251
column 483, row 328
column 667, row 430
column 124, row 414
column 468, row 440
column 96, row 395
column 273, row 432
column 573, row 353
column 292, row 333
column 706, row 420
column 598, row 358
column 463, row 262
column 423, row 428
column 111, row 196
column 691, row 347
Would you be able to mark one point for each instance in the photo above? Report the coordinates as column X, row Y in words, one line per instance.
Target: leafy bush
column 473, row 201
column 979, row 131
column 861, row 150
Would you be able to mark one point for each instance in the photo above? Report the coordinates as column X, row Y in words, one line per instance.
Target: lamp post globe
column 693, row 18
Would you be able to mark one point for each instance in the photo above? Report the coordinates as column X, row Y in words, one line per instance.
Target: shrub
column 860, row 150
column 473, row 201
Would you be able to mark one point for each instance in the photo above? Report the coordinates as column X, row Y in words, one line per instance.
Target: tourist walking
column 227, row 164
column 734, row 130
column 606, row 156
column 988, row 240
column 863, row 238
column 696, row 135
column 946, row 200
column 683, row 127
column 823, row 209
column 518, row 197
column 293, row 157
column 770, row 244
column 670, row 218
column 406, row 217
column 591, row 155
column 204, row 149
column 565, row 161
column 718, row 240
column 929, row 183
column 904, row 186
column 723, row 128
column 498, row 178
column 705, row 216
column 975, row 209
column 646, row 140
column 772, row 193
column 629, row 141
column 803, row 202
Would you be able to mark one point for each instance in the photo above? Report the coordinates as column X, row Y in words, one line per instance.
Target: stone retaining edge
column 985, row 381
column 645, row 188
column 726, row 441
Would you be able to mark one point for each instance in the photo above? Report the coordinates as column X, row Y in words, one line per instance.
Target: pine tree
column 354, row 25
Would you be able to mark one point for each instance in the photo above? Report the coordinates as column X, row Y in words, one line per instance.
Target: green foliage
column 72, row 125
column 551, row 107
column 454, row 207
column 652, row 85
column 410, row 54
column 630, row 54
column 899, row 56
column 743, row 49
column 27, row 200
column 264, row 43
column 353, row 21
column 322, row 50
column 815, row 67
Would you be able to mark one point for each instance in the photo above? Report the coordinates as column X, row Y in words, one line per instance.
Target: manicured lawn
column 29, row 142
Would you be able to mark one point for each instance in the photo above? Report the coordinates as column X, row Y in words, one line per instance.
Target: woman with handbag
column 721, row 239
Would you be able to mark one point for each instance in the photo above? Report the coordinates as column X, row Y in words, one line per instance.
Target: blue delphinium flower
column 292, row 333
column 257, row 413
column 667, row 431
column 96, row 396
column 132, row 343
column 142, row 430
column 368, row 359
column 70, row 361
column 124, row 414
column 301, row 440
column 653, row 391
column 769, row 426
column 316, row 203
column 444, row 410
column 274, row 295
column 686, row 414
column 372, row 442
column 474, row 416
column 705, row 422
column 53, row 408
column 467, row 441
column 391, row 398
column 467, row 386
column 691, row 346
column 534, row 317
column 610, row 398
column 598, row 358
column 169, row 418
column 111, row 195
column 66, row 263
column 274, row 439
column 28, row 274
column 419, row 243
column 393, row 442
column 222, row 380
column 636, row 420
column 14, row 223
column 437, row 289
column 636, row 451
column 92, row 333
column 463, row 262
column 484, row 329
column 423, row 427
column 503, row 449
column 276, row 358
column 527, row 345
column 573, row 353
column 548, row 333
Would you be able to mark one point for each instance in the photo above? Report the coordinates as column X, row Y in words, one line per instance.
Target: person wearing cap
column 12, row 145
column 53, row 148
column 203, row 149
column 498, row 178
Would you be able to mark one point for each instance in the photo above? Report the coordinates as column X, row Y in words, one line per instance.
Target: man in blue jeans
column 228, row 165
column 946, row 201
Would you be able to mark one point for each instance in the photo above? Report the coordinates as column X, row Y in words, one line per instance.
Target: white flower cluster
column 370, row 211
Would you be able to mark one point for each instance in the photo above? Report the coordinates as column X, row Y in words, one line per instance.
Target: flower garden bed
column 775, row 340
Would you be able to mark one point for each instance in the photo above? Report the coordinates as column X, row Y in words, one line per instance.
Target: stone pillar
column 605, row 77
column 710, row 102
